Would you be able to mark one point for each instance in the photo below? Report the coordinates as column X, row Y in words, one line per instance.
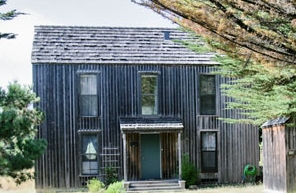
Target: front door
column 150, row 156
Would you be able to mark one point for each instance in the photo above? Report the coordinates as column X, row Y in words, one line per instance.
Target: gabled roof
column 116, row 45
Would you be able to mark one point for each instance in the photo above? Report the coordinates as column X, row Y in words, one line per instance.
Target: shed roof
column 275, row 122
column 116, row 45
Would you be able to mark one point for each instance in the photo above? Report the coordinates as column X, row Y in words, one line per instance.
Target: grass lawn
column 9, row 187
column 230, row 189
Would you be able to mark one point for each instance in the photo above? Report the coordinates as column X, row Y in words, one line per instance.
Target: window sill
column 88, row 175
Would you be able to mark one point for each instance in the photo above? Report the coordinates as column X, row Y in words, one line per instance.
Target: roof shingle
column 116, row 45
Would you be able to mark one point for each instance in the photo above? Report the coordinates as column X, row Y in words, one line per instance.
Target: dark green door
column 150, row 156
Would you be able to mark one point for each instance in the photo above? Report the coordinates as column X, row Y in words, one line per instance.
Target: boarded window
column 207, row 95
column 89, row 154
column 88, row 100
column 209, row 152
column 149, row 94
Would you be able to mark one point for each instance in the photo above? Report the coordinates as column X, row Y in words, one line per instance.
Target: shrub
column 189, row 171
column 116, row 187
column 111, row 175
column 95, row 186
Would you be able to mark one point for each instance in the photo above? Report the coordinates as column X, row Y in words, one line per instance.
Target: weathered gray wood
column 279, row 154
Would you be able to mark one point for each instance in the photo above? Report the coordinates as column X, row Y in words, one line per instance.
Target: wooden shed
column 279, row 155
column 113, row 95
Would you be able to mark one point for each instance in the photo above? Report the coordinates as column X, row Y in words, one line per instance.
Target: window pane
column 149, row 85
column 207, row 95
column 149, row 94
column 88, row 84
column 209, row 161
column 88, row 101
column 209, row 141
column 209, row 152
column 208, row 105
column 148, row 100
column 207, row 84
column 89, row 154
column 88, row 105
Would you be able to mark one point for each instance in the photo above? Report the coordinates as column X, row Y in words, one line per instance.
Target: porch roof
column 140, row 125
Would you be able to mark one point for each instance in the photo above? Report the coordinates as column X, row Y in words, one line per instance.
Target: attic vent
column 166, row 35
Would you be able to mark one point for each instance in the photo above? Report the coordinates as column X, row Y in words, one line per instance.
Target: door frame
column 160, row 152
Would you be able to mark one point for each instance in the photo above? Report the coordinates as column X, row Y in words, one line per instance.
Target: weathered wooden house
column 136, row 100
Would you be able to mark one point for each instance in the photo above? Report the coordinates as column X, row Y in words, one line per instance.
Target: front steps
column 154, row 186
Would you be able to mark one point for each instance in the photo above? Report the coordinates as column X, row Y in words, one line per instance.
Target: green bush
column 189, row 171
column 95, row 186
column 111, row 175
column 116, row 187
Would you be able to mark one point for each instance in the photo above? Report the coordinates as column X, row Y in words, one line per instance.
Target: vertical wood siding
column 274, row 155
column 169, row 155
column 133, row 156
column 57, row 87
column 279, row 154
column 291, row 158
column 238, row 143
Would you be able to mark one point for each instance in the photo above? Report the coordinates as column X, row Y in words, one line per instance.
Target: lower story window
column 89, row 154
column 209, row 152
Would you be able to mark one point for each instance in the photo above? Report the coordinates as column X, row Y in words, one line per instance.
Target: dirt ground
column 8, row 186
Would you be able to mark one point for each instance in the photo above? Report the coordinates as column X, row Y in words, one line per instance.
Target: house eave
column 42, row 62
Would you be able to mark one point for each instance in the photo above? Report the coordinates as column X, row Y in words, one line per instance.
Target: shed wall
column 274, row 155
column 291, row 158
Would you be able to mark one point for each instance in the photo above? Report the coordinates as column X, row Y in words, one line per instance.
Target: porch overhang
column 135, row 125
column 147, row 125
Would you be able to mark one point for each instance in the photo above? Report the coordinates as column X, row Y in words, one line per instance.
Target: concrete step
column 154, row 186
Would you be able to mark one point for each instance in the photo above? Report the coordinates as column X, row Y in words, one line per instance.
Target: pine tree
column 18, row 126
column 8, row 16
column 257, row 45
column 240, row 27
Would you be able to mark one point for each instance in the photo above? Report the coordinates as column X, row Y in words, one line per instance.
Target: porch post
column 124, row 157
column 180, row 156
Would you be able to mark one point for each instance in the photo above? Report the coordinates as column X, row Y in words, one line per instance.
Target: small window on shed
column 89, row 154
column 88, row 99
column 207, row 94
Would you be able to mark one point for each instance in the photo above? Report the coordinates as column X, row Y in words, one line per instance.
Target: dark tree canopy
column 265, row 28
column 18, row 126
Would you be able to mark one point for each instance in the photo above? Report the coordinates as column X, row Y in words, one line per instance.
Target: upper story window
column 149, row 94
column 88, row 99
column 207, row 94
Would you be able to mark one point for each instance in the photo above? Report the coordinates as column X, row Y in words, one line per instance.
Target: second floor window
column 207, row 94
column 149, row 96
column 88, row 99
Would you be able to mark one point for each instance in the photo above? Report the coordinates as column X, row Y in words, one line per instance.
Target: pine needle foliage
column 9, row 15
column 18, row 126
column 265, row 28
column 260, row 92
